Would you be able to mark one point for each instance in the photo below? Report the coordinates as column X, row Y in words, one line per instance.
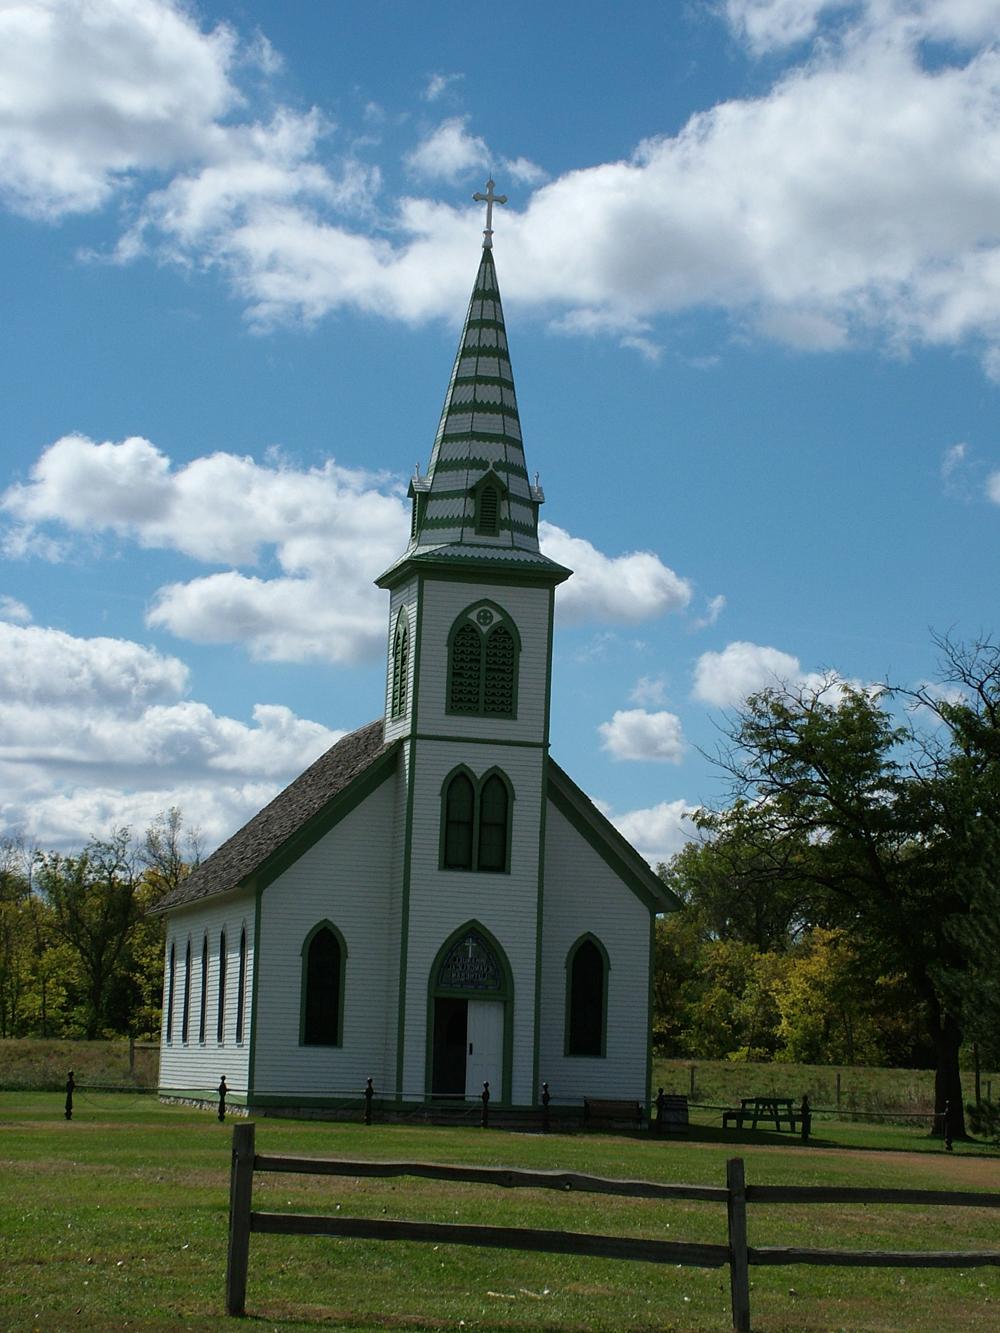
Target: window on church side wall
column 586, row 999
column 483, row 653
column 203, row 1008
column 220, row 1023
column 400, row 666
column 171, row 972
column 323, row 988
column 476, row 823
column 186, row 1011
column 241, row 987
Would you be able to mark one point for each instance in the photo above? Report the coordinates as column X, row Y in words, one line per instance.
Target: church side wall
column 403, row 597
column 583, row 894
column 441, row 901
column 393, row 924
column 529, row 609
column 345, row 878
column 196, row 1065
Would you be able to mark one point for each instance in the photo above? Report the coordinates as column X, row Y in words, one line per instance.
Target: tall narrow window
column 466, row 670
column 241, row 986
column 171, row 970
column 203, row 1008
column 186, row 1012
column 323, row 985
column 220, row 1024
column 460, row 803
column 498, row 691
column 493, row 825
column 400, row 666
column 586, row 994
column 488, row 515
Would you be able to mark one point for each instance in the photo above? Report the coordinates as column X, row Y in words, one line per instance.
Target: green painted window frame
column 587, row 938
column 220, row 1015
column 186, row 1009
column 400, row 665
column 203, row 1005
column 474, row 868
column 241, row 989
column 500, row 619
column 325, row 924
column 171, row 975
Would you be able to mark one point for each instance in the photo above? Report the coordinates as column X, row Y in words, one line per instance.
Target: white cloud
column 448, row 152
column 993, row 487
column 438, row 85
column 657, row 832
column 649, row 690
column 626, row 588
column 714, row 609
column 725, row 679
column 635, row 734
column 13, row 610
column 97, row 732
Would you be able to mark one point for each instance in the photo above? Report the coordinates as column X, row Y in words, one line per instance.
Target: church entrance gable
column 469, row 1029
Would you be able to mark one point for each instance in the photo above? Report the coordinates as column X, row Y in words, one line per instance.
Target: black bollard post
column 947, row 1126
column 70, row 1085
column 222, row 1098
column 486, row 1106
column 661, row 1102
column 805, row 1115
column 369, row 1094
column 545, row 1108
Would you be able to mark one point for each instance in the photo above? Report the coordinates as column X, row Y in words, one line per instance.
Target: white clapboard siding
column 528, row 608
column 403, row 597
column 441, row 901
column 345, row 878
column 583, row 894
column 196, row 1065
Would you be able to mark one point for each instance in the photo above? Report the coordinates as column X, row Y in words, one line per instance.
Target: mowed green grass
column 118, row 1220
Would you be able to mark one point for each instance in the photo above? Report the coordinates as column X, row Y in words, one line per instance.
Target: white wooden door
column 484, row 1061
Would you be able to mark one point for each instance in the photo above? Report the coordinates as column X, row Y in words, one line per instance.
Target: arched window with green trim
column 488, row 511
column 324, row 971
column 220, row 1020
column 241, row 987
column 400, row 666
column 186, row 1011
column 483, row 652
column 203, row 1007
column 587, row 997
column 476, row 821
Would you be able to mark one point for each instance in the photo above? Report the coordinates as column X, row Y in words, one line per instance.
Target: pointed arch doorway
column 469, row 1029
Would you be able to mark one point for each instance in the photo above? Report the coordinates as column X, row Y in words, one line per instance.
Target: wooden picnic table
column 756, row 1109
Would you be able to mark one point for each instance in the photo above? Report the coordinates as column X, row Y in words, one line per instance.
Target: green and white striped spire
column 478, row 442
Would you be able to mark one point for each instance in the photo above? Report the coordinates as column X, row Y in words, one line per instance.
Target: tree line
column 80, row 956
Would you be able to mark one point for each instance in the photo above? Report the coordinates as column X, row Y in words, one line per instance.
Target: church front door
column 469, row 1009
column 484, row 1061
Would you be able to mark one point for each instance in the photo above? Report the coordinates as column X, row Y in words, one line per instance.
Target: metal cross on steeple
column 489, row 199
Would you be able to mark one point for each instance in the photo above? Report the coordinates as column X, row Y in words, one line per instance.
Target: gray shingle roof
column 247, row 850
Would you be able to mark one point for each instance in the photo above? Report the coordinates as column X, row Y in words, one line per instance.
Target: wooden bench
column 771, row 1110
column 608, row 1110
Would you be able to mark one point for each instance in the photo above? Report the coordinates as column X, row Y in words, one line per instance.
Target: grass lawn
column 118, row 1220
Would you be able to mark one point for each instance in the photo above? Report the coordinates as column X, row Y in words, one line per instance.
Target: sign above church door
column 470, row 965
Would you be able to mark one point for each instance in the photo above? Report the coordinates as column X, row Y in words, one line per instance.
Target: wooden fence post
column 739, row 1271
column 70, row 1085
column 240, row 1193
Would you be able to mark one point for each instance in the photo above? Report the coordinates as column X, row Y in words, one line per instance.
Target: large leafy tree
column 891, row 827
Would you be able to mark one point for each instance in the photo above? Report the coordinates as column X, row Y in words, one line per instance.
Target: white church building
column 434, row 903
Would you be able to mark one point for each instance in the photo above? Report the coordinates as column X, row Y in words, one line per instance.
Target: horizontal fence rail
column 738, row 1254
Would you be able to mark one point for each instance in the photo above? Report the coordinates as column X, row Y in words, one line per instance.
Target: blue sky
column 751, row 272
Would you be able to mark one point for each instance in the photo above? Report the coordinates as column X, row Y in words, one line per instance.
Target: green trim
column 468, row 617
column 536, row 1089
column 586, row 937
column 404, row 916
column 477, row 787
column 326, row 818
column 325, row 924
column 506, row 998
column 609, row 844
column 477, row 740
column 540, row 573
column 252, row 1058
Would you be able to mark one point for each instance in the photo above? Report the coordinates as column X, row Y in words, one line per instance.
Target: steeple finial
column 489, row 199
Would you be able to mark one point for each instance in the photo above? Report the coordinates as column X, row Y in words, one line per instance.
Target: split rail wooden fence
column 735, row 1194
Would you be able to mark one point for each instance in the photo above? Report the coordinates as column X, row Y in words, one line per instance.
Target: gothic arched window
column 586, row 997
column 483, row 650
column 220, row 1022
column 324, row 955
column 493, row 812
column 186, row 1011
column 203, row 1007
column 488, row 511
column 400, row 666
column 459, row 822
column 241, row 987
column 476, row 821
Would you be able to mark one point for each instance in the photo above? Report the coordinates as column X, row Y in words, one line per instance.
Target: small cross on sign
column 489, row 199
